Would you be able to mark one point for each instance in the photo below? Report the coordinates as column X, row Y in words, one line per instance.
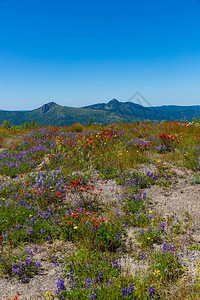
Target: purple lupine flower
column 162, row 226
column 198, row 158
column 42, row 232
column 159, row 148
column 116, row 211
column 14, row 270
column 60, row 285
column 141, row 232
column 72, row 285
column 49, row 238
column 126, row 292
column 25, row 279
column 137, row 197
column 100, row 275
column 143, row 255
column 150, row 216
column 165, row 247
column 6, row 235
column 21, row 265
column 28, row 261
column 144, row 195
column 33, row 219
column 155, row 177
column 116, row 265
column 129, row 290
column 71, row 277
column 149, row 230
column 165, row 271
column 13, row 265
column 88, row 283
column 35, row 249
column 109, row 283
column 93, row 295
column 125, row 225
column 18, row 272
column 172, row 250
column 118, row 237
column 55, row 261
column 151, row 292
column 45, row 215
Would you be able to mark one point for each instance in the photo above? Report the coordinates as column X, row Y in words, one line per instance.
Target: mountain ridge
column 114, row 111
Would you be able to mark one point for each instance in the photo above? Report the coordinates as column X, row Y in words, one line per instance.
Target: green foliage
column 22, row 266
column 90, row 122
column 76, row 128
column 195, row 179
column 150, row 237
column 26, row 226
column 194, row 247
column 6, row 124
column 166, row 265
column 95, row 273
column 30, row 125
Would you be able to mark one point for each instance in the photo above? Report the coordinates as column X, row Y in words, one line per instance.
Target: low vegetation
column 47, row 194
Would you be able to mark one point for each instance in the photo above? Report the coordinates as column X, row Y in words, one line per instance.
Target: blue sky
column 78, row 53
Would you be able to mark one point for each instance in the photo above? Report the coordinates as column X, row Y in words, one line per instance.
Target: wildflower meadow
column 120, row 246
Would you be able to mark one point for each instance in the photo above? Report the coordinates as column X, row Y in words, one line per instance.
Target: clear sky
column 78, row 53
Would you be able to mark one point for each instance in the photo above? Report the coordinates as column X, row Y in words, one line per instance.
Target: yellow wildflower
column 156, row 273
column 49, row 296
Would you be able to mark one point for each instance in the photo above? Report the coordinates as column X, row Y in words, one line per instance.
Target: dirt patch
column 44, row 281
column 180, row 203
column 180, row 207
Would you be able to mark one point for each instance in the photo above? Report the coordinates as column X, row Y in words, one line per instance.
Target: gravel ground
column 44, row 281
column 47, row 278
column 181, row 203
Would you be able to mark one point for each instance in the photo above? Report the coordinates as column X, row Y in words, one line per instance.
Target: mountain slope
column 137, row 112
column 104, row 113
column 57, row 115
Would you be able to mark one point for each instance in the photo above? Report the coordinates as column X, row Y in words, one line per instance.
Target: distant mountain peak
column 112, row 104
column 47, row 107
column 114, row 101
